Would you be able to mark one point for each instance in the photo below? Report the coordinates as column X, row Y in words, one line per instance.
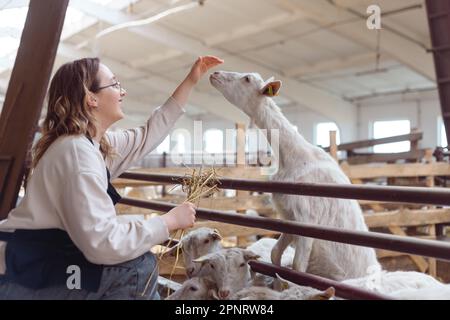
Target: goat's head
column 228, row 268
column 195, row 244
column 244, row 90
column 195, row 289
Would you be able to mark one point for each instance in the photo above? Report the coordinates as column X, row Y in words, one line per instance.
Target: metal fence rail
column 429, row 248
column 435, row 196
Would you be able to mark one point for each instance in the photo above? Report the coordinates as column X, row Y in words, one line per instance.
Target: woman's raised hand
column 202, row 65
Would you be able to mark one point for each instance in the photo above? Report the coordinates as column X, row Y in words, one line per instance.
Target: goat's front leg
column 303, row 249
column 278, row 249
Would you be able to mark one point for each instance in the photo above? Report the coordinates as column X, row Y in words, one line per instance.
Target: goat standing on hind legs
column 300, row 161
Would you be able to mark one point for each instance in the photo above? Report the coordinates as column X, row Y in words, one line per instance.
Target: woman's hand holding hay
column 180, row 217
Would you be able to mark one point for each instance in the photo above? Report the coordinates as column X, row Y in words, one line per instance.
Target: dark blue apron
column 39, row 259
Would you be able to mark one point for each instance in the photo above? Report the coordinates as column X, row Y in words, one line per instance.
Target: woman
column 64, row 240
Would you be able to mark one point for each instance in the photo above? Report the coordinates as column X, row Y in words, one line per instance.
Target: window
column 213, row 141
column 164, row 146
column 383, row 129
column 180, row 143
column 323, row 133
column 442, row 137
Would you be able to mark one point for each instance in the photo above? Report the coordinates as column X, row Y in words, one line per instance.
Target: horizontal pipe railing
column 344, row 291
column 428, row 248
column 435, row 196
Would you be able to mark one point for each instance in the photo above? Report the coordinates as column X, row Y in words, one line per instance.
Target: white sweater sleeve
column 133, row 144
column 90, row 220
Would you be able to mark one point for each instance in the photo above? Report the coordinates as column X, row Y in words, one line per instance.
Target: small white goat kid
column 195, row 289
column 228, row 268
column 300, row 161
column 195, row 244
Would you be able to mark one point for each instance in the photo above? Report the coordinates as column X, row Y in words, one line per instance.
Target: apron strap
column 5, row 236
column 112, row 192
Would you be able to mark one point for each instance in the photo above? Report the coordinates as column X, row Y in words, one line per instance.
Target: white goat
column 195, row 244
column 263, row 247
column 294, row 293
column 197, row 288
column 403, row 285
column 300, row 161
column 432, row 293
column 228, row 268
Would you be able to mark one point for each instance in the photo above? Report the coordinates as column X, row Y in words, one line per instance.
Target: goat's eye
column 206, row 241
column 212, row 266
column 242, row 264
column 247, row 78
column 193, row 288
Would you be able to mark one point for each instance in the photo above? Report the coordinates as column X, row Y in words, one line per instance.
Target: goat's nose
column 190, row 271
column 223, row 294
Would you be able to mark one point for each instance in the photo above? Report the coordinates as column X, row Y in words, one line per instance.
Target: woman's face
column 109, row 97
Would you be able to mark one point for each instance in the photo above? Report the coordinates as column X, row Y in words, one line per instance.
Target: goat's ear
column 216, row 235
column 284, row 284
column 329, row 293
column 202, row 259
column 325, row 295
column 250, row 255
column 271, row 88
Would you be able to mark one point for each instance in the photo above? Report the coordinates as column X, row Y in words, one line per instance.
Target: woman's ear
column 91, row 100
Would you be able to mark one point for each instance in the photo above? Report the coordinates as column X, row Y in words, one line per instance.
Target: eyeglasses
column 115, row 85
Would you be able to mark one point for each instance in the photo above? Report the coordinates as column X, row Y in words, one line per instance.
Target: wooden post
column 240, row 163
column 432, row 270
column 432, row 266
column 26, row 93
column 333, row 145
column 415, row 143
column 429, row 160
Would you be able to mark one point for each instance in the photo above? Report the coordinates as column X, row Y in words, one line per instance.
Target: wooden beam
column 373, row 142
column 371, row 171
column 363, row 158
column 406, row 218
column 27, row 89
column 331, row 65
column 333, row 145
column 439, row 24
column 253, row 28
